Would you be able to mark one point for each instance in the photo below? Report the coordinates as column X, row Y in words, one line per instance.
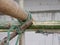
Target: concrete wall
column 43, row 5
column 38, row 17
column 32, row 38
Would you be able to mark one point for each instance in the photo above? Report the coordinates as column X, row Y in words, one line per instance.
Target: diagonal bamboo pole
column 23, row 27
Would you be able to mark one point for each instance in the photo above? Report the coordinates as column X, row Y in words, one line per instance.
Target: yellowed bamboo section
column 11, row 8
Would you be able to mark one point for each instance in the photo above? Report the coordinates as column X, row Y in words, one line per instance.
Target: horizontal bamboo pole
column 44, row 27
column 36, row 27
column 23, row 27
column 44, row 30
column 45, row 11
column 40, row 30
column 11, row 8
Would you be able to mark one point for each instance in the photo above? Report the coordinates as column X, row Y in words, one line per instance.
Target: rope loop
column 28, row 18
column 17, row 28
column 12, row 28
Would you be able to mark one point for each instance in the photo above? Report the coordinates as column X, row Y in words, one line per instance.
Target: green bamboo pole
column 37, row 27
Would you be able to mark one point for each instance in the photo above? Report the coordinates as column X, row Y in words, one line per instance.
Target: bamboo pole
column 11, row 8
column 5, row 38
column 36, row 27
column 23, row 27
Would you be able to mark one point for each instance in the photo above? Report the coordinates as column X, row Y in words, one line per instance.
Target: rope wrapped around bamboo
column 11, row 8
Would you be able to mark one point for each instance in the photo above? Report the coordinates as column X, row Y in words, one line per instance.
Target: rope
column 17, row 39
column 19, row 34
column 18, row 31
column 17, row 28
column 8, row 39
